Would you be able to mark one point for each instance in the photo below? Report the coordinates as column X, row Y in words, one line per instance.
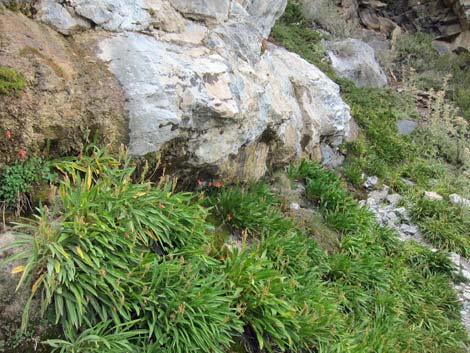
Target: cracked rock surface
column 203, row 86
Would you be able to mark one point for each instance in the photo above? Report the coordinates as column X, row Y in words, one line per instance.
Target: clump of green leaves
column 19, row 179
column 443, row 224
column 253, row 208
column 102, row 338
column 10, row 80
column 105, row 251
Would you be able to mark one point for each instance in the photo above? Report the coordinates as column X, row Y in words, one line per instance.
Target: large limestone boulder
column 355, row 60
column 200, row 86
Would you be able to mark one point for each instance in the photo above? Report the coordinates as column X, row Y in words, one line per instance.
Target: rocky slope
column 200, row 82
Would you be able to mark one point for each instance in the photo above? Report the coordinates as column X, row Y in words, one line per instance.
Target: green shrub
column 98, row 255
column 188, row 309
column 278, row 311
column 19, row 179
column 10, row 80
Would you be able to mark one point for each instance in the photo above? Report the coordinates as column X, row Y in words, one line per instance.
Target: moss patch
column 10, row 80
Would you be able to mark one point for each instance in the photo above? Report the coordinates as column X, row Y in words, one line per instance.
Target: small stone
column 394, row 199
column 409, row 229
column 294, row 206
column 459, row 200
column 466, row 274
column 455, row 258
column 401, row 212
column 433, row 196
column 392, row 218
column 331, row 158
column 371, row 182
column 378, row 196
column 406, row 127
column 466, row 295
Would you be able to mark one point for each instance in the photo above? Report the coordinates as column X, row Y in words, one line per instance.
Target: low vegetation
column 436, row 156
column 10, row 80
column 125, row 265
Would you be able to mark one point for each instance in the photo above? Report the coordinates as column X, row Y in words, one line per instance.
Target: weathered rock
column 379, row 195
column 354, row 59
column 394, row 199
column 123, row 15
column 331, row 157
column 203, row 93
column 371, row 182
column 219, row 105
column 70, row 96
column 409, row 229
column 406, row 127
column 459, row 200
column 216, row 10
column 57, row 16
column 433, row 196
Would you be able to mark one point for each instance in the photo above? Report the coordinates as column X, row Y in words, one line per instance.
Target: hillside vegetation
column 122, row 261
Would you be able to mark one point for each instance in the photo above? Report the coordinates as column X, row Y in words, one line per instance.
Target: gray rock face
column 202, row 9
column 205, row 92
column 59, row 18
column 355, row 60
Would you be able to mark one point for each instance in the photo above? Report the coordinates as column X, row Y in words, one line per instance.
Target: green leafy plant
column 19, row 179
column 101, row 338
column 270, row 315
column 445, row 225
column 254, row 208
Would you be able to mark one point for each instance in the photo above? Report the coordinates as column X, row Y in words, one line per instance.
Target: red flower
column 110, row 147
column 80, row 156
column 161, row 205
column 210, row 183
column 218, row 184
column 126, row 235
column 199, row 182
column 22, row 152
column 8, row 134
